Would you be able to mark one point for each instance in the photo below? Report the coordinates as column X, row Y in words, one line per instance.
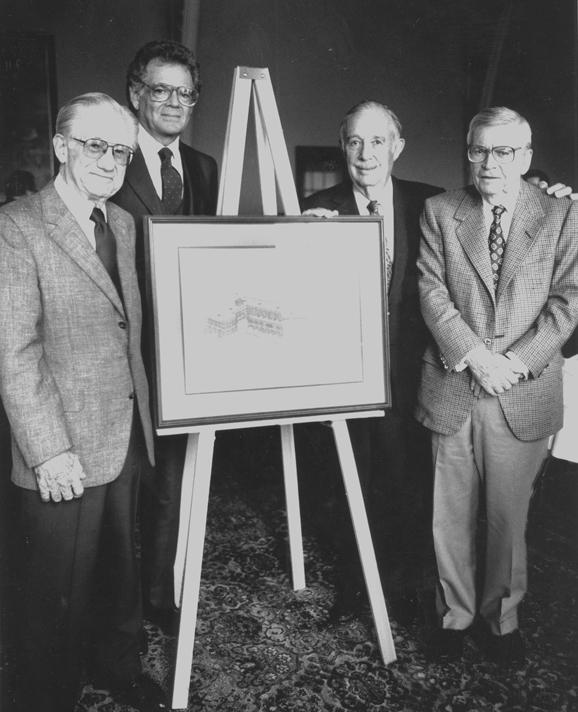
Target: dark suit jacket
column 139, row 197
column 407, row 332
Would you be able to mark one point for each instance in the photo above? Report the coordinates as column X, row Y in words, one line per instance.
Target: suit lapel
column 67, row 234
column 400, row 247
column 526, row 222
column 472, row 234
column 139, row 180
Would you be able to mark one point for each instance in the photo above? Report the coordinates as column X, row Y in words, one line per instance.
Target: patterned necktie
column 172, row 183
column 106, row 246
column 375, row 208
column 497, row 243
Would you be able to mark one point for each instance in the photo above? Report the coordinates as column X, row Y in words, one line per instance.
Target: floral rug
column 261, row 647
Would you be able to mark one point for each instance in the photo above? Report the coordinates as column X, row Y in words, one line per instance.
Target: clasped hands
column 60, row 478
column 493, row 372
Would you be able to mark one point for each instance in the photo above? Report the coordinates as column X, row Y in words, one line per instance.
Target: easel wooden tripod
column 273, row 161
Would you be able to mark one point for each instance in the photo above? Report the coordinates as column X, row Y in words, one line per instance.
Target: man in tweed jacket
column 491, row 390
column 75, row 392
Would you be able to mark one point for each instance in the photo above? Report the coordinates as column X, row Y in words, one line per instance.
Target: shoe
column 446, row 645
column 167, row 619
column 507, row 649
column 142, row 693
column 347, row 606
column 403, row 610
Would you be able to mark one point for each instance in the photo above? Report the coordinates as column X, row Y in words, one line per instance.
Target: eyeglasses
column 97, row 147
column 162, row 92
column 501, row 154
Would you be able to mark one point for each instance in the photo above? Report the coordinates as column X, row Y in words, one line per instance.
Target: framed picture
column 28, row 100
column 258, row 318
column 318, row 167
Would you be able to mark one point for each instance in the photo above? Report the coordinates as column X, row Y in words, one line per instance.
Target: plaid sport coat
column 533, row 311
column 70, row 361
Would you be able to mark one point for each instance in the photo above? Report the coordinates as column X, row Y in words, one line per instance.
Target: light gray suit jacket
column 70, row 362
column 533, row 312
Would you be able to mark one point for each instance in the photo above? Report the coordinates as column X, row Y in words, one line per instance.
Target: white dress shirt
column 150, row 148
column 80, row 207
column 385, row 199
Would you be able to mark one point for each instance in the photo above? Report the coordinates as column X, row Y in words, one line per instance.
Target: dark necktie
column 375, row 208
column 497, row 243
column 106, row 246
column 172, row 183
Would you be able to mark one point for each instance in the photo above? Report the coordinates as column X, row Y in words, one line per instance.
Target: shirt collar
column 384, row 196
column 150, row 147
column 80, row 206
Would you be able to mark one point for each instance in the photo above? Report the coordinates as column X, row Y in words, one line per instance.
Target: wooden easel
column 273, row 162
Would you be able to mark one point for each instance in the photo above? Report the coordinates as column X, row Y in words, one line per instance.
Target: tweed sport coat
column 407, row 332
column 139, row 197
column 533, row 312
column 70, row 362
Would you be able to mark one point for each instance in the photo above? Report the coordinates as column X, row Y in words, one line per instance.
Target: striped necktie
column 375, row 208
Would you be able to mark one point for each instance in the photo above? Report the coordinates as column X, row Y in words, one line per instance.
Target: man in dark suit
column 392, row 453
column 74, row 388
column 499, row 293
column 166, row 177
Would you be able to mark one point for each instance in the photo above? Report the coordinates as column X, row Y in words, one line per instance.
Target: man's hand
column 60, row 478
column 558, row 190
column 320, row 213
column 493, row 372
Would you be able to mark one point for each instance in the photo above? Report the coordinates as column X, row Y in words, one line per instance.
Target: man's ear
column 60, row 147
column 400, row 145
column 134, row 95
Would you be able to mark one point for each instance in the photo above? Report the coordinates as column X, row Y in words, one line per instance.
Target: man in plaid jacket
column 499, row 293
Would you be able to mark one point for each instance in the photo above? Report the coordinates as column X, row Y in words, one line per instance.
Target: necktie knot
column 97, row 217
column 374, row 207
column 498, row 210
column 166, row 155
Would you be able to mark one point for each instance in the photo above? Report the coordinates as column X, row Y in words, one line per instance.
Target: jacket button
column 131, row 396
column 122, row 324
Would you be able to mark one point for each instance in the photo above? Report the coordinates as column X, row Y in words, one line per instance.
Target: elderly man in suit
column 499, row 293
column 166, row 177
column 75, row 392
column 392, row 453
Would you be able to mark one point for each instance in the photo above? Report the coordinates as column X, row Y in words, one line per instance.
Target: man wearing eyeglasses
column 499, row 293
column 73, row 385
column 166, row 177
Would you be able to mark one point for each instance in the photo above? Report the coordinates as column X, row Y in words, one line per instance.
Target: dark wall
column 428, row 60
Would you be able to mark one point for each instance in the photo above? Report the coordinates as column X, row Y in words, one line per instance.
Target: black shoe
column 142, row 693
column 446, row 645
column 507, row 649
column 347, row 606
column 167, row 619
column 403, row 610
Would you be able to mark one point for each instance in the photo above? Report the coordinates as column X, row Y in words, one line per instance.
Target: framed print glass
column 262, row 318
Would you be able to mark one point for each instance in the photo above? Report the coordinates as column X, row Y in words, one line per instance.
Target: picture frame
column 264, row 318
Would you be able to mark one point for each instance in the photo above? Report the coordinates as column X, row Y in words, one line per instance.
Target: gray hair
column 364, row 106
column 69, row 112
column 499, row 116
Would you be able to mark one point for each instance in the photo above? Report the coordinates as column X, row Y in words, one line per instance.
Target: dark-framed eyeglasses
column 501, row 154
column 97, row 147
column 162, row 92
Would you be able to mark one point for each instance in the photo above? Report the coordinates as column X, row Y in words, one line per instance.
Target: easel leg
column 293, row 511
column 364, row 541
column 202, row 445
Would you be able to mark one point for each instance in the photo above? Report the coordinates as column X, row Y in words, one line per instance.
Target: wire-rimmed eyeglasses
column 97, row 147
column 501, row 154
column 162, row 92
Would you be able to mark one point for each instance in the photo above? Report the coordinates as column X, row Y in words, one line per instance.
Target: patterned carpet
column 260, row 647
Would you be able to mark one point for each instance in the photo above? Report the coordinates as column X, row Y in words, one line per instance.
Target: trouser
column 485, row 457
column 80, row 588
